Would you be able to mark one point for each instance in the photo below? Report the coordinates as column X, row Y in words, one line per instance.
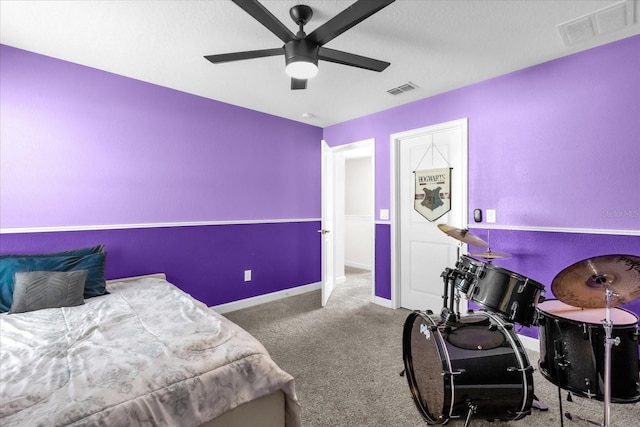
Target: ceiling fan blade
column 266, row 18
column 351, row 59
column 346, row 19
column 298, row 84
column 239, row 56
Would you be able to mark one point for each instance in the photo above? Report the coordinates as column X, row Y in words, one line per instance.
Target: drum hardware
column 571, row 417
column 471, row 409
column 514, row 369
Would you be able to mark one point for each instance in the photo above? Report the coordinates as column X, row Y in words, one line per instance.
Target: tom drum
column 508, row 293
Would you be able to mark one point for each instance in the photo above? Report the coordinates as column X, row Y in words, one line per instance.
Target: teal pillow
column 95, row 284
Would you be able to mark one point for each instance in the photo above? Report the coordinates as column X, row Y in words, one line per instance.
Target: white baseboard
column 529, row 343
column 359, row 265
column 341, row 279
column 261, row 299
column 382, row 301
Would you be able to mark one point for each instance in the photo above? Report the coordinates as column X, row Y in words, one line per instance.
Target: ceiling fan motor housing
column 301, row 50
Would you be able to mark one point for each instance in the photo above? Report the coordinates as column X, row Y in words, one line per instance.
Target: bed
column 144, row 354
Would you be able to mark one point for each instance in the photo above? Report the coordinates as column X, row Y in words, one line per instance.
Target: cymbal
column 464, row 236
column 584, row 284
column 490, row 254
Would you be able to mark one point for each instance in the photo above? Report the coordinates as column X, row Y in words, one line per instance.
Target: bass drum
column 578, row 336
column 476, row 364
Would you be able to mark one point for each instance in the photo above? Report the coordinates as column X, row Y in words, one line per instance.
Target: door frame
column 345, row 150
column 394, row 141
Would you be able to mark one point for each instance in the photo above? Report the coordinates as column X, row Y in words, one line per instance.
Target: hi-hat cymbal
column 464, row 236
column 584, row 284
column 490, row 254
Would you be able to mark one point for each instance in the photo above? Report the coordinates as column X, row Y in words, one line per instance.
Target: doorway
column 353, row 208
column 420, row 252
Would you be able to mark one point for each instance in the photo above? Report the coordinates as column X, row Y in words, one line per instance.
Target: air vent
column 604, row 21
column 402, row 88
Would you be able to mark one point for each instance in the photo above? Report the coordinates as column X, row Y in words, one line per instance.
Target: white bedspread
column 147, row 354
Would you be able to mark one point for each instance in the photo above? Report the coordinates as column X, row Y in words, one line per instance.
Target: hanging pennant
column 432, row 195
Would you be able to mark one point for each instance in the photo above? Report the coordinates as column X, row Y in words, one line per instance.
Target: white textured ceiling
column 437, row 45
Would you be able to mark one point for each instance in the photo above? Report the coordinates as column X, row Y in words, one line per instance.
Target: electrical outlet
column 491, row 215
column 247, row 275
column 384, row 214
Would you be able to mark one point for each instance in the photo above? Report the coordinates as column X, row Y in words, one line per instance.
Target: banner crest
column 432, row 195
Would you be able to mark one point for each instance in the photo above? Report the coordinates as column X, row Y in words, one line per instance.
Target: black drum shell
column 442, row 377
column 581, row 346
column 466, row 272
column 499, row 290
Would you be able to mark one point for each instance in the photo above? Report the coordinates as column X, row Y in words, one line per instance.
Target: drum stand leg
column 608, row 342
column 471, row 409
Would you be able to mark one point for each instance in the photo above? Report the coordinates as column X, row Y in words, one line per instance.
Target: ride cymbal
column 464, row 236
column 584, row 284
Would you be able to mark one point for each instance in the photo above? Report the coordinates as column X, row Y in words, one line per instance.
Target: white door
column 328, row 279
column 424, row 250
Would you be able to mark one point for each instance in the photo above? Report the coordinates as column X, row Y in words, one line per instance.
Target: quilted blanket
column 147, row 354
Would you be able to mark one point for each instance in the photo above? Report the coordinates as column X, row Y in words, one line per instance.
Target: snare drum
column 476, row 365
column 578, row 336
column 508, row 293
column 467, row 269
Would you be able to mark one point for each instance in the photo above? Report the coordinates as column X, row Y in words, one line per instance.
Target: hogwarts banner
column 433, row 192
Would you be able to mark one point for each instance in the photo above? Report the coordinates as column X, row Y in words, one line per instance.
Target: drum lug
column 514, row 309
column 587, row 383
column 514, row 369
column 458, row 372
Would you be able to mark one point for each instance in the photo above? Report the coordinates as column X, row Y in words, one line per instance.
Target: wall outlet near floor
column 491, row 215
column 247, row 275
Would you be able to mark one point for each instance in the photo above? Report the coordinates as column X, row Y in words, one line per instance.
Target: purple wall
column 206, row 261
column 555, row 146
column 82, row 147
column 94, row 148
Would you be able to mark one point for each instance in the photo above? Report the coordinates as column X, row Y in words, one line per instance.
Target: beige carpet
column 346, row 359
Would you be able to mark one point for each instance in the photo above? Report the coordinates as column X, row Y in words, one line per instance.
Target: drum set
column 473, row 365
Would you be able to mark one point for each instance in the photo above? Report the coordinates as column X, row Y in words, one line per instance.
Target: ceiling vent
column 408, row 86
column 604, row 21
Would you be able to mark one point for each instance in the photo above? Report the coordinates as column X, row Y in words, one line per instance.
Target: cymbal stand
column 609, row 342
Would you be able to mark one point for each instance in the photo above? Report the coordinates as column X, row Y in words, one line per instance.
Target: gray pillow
column 35, row 290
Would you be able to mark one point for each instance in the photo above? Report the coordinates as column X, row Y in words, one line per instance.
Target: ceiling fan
column 302, row 51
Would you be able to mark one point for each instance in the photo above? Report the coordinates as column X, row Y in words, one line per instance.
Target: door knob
column 324, row 231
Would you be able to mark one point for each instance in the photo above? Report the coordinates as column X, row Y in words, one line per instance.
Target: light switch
column 384, row 213
column 491, row 215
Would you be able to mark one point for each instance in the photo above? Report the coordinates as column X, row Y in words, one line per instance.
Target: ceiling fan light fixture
column 301, row 70
column 301, row 58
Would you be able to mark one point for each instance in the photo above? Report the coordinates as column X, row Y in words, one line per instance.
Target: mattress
column 147, row 353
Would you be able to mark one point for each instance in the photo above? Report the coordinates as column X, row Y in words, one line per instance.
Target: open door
column 328, row 279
